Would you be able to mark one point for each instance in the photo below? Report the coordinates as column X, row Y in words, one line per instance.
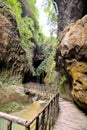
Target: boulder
column 71, row 59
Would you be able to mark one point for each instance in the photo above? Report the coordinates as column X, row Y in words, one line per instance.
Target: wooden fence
column 44, row 120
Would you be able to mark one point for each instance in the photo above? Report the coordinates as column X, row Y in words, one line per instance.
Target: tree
column 50, row 7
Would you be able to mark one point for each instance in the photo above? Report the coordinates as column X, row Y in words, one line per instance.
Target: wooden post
column 49, row 117
column 57, row 103
column 37, row 123
column 9, row 125
column 52, row 112
column 43, row 119
column 27, row 128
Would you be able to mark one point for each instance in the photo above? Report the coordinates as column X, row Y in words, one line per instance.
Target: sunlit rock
column 72, row 59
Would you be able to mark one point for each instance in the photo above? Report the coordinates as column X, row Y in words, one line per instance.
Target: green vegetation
column 31, row 35
column 61, row 84
column 51, row 10
column 7, row 80
column 48, row 64
column 28, row 26
column 51, row 63
column 32, row 11
column 1, row 88
column 11, row 107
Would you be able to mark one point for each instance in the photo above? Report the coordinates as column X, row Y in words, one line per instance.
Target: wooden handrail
column 13, row 119
column 32, row 120
column 45, row 118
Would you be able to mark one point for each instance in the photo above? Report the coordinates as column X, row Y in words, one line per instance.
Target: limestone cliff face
column 13, row 60
column 70, row 11
column 72, row 58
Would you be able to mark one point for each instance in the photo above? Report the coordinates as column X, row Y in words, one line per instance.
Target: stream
column 28, row 113
column 32, row 109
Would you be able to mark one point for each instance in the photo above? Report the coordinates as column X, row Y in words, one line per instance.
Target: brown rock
column 13, row 60
column 73, row 52
column 70, row 11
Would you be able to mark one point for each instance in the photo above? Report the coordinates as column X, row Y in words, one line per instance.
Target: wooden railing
column 44, row 120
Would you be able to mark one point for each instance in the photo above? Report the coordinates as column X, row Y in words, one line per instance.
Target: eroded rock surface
column 70, row 11
column 13, row 60
column 72, row 59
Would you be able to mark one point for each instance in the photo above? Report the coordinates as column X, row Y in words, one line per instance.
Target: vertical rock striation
column 13, row 60
column 70, row 11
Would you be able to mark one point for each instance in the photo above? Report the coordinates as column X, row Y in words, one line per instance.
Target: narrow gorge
column 35, row 66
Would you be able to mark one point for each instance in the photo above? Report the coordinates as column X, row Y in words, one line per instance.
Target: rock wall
column 71, row 59
column 70, row 11
column 13, row 60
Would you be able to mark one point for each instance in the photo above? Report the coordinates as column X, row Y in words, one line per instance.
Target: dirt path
column 70, row 117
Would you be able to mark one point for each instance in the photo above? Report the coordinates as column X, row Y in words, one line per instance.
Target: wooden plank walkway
column 70, row 117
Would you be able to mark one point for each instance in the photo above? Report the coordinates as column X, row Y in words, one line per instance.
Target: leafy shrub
column 48, row 64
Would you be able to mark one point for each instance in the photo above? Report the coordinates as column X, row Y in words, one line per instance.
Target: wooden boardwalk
column 70, row 117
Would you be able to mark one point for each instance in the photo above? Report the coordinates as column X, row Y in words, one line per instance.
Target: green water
column 26, row 114
column 3, row 124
